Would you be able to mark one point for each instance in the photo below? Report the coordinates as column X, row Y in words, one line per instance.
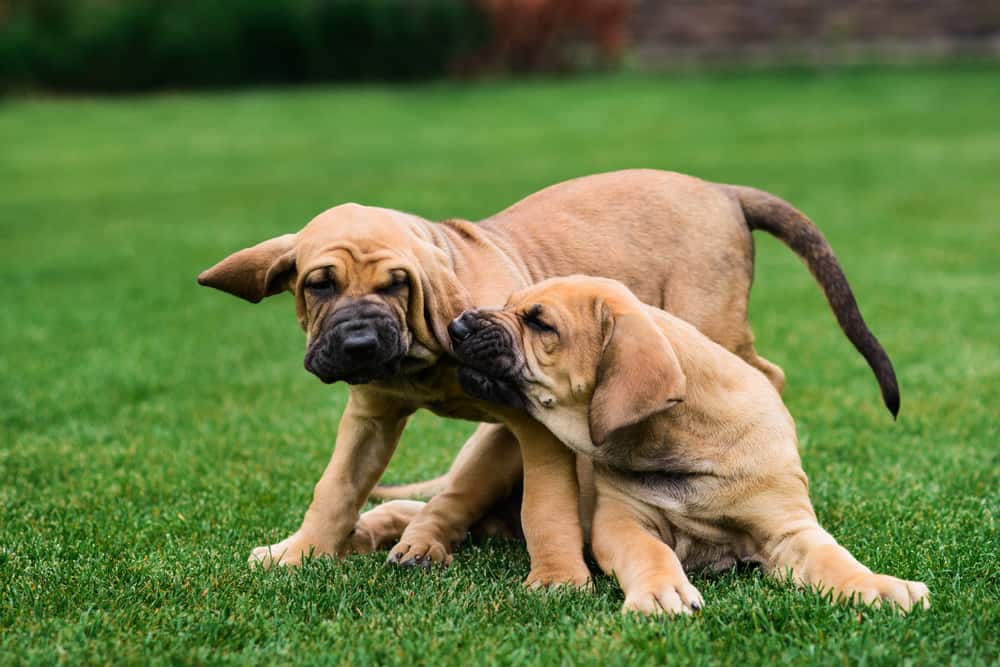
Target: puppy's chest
column 687, row 488
column 656, row 454
column 688, row 517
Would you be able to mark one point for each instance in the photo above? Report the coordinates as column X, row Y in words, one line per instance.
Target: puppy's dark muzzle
column 357, row 344
column 490, row 364
column 462, row 327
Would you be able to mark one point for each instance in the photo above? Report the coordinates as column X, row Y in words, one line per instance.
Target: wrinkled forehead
column 578, row 291
column 553, row 294
column 353, row 234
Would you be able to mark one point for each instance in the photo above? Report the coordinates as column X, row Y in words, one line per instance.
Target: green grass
column 153, row 431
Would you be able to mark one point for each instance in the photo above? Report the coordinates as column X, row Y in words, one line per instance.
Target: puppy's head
column 580, row 354
column 372, row 291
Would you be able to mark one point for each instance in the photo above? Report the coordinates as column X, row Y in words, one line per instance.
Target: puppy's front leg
column 649, row 572
column 485, row 470
column 366, row 438
column 550, row 513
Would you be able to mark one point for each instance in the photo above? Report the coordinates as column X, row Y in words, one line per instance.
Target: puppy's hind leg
column 379, row 528
column 772, row 371
column 815, row 560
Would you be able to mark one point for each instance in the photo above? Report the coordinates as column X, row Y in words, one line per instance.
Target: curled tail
column 777, row 217
column 424, row 490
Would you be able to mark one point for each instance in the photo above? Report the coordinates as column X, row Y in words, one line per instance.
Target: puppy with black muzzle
column 696, row 460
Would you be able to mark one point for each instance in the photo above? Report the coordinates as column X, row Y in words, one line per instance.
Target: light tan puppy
column 375, row 289
column 696, row 458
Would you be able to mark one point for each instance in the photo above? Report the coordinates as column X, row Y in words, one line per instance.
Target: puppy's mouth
column 501, row 391
column 365, row 375
column 357, row 348
column 324, row 362
column 489, row 365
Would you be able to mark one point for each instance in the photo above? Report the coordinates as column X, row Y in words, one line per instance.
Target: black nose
column 360, row 344
column 459, row 328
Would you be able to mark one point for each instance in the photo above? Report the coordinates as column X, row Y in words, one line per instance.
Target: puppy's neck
column 570, row 423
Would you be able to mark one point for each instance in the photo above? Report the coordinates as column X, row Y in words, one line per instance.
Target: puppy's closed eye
column 398, row 281
column 322, row 285
column 533, row 320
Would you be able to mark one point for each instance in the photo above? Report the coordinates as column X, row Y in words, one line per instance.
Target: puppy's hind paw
column 424, row 555
column 570, row 577
column 874, row 589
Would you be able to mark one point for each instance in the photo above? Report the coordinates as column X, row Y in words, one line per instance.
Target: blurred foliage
column 124, row 45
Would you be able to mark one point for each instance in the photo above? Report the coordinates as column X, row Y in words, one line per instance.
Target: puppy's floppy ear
column 436, row 296
column 257, row 272
column 638, row 375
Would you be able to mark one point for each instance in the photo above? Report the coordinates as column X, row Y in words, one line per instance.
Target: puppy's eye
column 535, row 323
column 322, row 286
column 398, row 282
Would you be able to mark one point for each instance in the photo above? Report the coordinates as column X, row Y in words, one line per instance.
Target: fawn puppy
column 696, row 461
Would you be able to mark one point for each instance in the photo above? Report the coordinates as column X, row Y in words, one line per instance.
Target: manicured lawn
column 153, row 431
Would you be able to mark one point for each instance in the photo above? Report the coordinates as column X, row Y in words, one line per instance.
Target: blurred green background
column 153, row 431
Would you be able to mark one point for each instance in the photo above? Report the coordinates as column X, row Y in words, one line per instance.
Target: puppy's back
column 730, row 410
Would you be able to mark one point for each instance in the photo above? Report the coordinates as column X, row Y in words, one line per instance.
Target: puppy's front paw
column 542, row 577
column 420, row 553
column 290, row 552
column 872, row 589
column 666, row 596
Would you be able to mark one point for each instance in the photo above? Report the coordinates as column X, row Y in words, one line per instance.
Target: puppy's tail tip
column 891, row 398
column 775, row 216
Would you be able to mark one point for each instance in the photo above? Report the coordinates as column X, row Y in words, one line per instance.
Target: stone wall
column 665, row 32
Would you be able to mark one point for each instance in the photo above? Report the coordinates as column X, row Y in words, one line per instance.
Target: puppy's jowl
column 696, row 461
